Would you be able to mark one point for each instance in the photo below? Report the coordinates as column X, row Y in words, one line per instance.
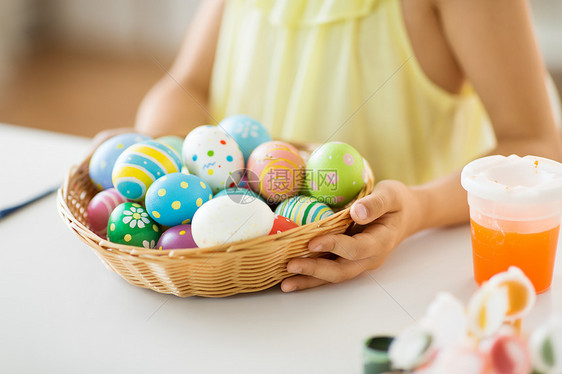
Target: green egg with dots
column 130, row 224
column 335, row 174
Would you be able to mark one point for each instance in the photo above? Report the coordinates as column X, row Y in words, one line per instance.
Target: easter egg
column 275, row 171
column 214, row 156
column 100, row 208
column 176, row 237
column 303, row 209
column 140, row 165
column 172, row 141
column 334, row 173
column 222, row 220
column 281, row 224
column 244, row 182
column 130, row 224
column 247, row 132
column 173, row 199
column 103, row 159
column 240, row 195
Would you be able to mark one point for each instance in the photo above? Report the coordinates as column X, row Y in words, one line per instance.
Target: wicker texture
column 245, row 266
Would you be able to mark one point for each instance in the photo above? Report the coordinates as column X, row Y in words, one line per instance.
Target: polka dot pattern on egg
column 335, row 173
column 213, row 155
column 177, row 237
column 130, row 224
column 184, row 195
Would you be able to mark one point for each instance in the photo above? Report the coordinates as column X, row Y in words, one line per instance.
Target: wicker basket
column 245, row 266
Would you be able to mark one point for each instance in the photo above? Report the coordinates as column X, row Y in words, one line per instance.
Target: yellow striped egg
column 140, row 165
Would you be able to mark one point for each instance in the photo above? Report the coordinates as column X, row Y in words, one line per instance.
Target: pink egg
column 281, row 224
column 276, row 171
column 100, row 209
column 176, row 237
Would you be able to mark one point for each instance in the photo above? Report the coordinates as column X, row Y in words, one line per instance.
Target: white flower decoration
column 148, row 245
column 136, row 217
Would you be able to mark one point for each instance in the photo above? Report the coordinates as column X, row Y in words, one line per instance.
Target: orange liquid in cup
column 494, row 252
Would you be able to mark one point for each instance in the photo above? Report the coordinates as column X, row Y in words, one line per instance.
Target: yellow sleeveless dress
column 343, row 70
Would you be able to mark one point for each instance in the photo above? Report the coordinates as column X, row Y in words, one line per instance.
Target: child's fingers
column 324, row 269
column 382, row 200
column 301, row 282
column 377, row 239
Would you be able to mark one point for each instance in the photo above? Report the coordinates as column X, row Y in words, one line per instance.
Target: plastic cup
column 515, row 212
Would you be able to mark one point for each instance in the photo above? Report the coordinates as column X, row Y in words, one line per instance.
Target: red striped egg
column 100, row 209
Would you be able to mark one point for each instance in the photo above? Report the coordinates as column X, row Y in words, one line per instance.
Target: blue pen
column 7, row 211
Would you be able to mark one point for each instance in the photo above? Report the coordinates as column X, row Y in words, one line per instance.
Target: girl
column 419, row 87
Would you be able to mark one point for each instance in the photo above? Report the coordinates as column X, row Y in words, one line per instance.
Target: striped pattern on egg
column 100, row 208
column 140, row 165
column 276, row 170
column 103, row 159
column 303, row 210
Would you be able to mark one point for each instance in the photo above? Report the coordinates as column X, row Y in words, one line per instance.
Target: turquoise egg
column 140, row 165
column 303, row 209
column 248, row 132
column 103, row 159
column 175, row 142
column 240, row 195
column 173, row 199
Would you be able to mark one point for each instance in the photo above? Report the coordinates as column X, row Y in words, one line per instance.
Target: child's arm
column 494, row 45
column 179, row 101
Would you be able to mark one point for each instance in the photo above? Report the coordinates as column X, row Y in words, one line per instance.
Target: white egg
column 224, row 220
column 214, row 156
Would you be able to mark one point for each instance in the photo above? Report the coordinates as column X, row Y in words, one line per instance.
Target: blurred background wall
column 81, row 66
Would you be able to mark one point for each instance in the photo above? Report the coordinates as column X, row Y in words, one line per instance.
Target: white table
column 62, row 311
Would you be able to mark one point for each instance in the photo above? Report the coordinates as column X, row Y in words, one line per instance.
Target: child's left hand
column 390, row 215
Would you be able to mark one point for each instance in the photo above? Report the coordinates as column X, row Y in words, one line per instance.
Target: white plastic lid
column 514, row 180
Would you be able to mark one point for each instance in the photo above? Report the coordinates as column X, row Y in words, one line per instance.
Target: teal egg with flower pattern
column 130, row 224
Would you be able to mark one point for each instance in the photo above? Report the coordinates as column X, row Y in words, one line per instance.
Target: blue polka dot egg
column 103, row 159
column 140, row 165
column 173, row 199
column 214, row 156
column 247, row 132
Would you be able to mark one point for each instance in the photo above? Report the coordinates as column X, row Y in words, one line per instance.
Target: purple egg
column 176, row 237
